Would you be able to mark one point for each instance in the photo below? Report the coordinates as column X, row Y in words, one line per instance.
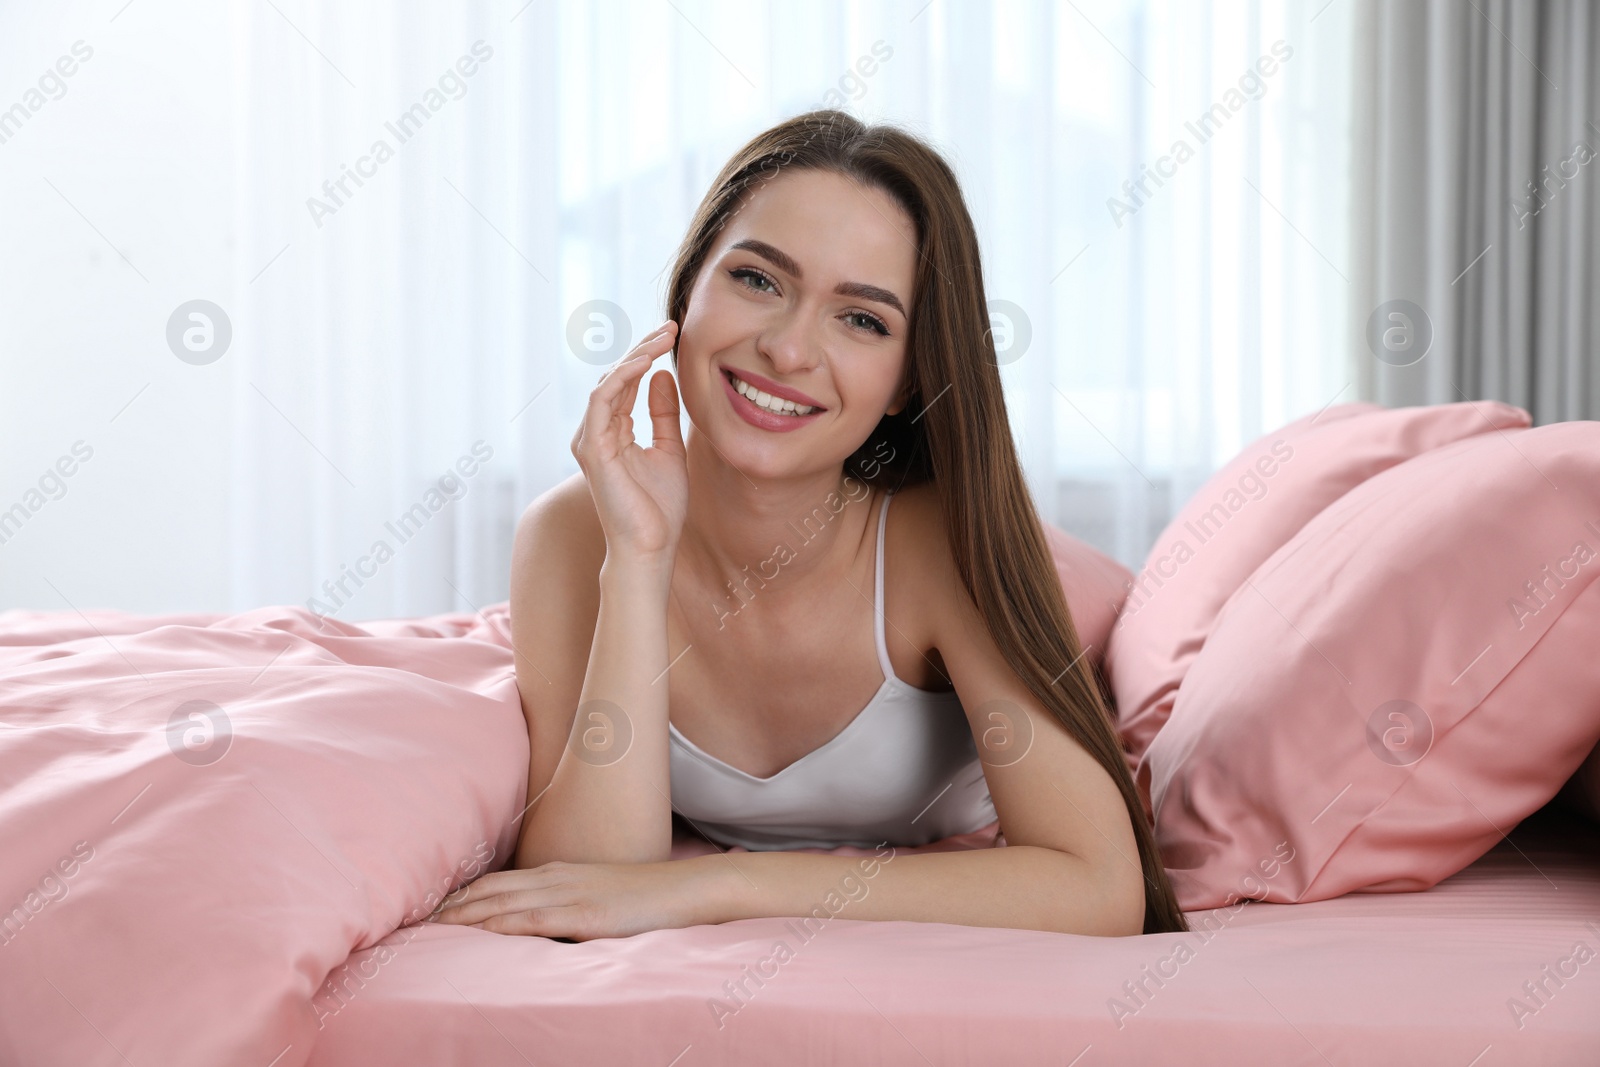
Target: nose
column 789, row 342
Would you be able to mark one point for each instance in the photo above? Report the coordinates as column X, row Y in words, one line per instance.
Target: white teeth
column 768, row 401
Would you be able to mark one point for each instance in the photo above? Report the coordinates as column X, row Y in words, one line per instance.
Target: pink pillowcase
column 1094, row 585
column 1243, row 514
column 1409, row 676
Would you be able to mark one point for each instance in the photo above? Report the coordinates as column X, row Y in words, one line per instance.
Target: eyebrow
column 786, row 263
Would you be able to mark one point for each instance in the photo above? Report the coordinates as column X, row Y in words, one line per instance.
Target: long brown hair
column 962, row 443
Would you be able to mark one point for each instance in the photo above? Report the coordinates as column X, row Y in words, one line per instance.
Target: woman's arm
column 606, row 798
column 1021, row 887
column 598, row 782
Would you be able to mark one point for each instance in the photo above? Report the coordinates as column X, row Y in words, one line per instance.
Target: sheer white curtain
column 1218, row 308
column 420, row 307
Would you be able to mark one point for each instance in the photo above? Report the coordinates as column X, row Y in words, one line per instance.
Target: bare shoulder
column 568, row 504
column 559, row 544
column 918, row 531
column 555, row 594
column 924, row 574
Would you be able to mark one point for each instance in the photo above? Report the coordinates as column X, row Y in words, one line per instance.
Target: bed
column 1396, row 978
column 223, row 833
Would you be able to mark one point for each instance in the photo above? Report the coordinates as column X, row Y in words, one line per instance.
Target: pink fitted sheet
column 1401, row 978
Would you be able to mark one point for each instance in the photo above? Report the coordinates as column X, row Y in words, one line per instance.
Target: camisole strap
column 877, row 603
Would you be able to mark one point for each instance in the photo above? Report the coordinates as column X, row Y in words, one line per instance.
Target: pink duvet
column 202, row 815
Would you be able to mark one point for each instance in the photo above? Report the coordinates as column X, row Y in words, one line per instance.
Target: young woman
column 737, row 627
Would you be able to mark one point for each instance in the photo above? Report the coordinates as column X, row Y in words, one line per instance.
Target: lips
column 772, row 388
column 758, row 416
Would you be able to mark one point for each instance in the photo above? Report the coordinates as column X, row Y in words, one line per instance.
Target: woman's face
column 807, row 290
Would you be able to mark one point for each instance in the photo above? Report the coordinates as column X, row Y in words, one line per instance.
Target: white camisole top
column 904, row 771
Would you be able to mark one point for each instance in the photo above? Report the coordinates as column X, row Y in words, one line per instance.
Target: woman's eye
column 746, row 272
column 873, row 323
column 861, row 320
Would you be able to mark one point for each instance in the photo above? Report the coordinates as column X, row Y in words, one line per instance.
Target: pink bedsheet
column 1435, row 977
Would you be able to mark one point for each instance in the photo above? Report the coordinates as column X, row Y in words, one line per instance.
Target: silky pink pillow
column 1243, row 513
column 1409, row 676
column 1094, row 585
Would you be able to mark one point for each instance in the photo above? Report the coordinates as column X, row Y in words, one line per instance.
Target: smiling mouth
column 766, row 401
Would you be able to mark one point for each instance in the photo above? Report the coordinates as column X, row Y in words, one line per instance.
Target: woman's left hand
column 581, row 901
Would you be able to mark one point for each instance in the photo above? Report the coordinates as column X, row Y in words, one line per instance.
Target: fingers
column 497, row 884
column 537, row 922
column 631, row 370
column 524, row 912
column 470, row 912
column 489, row 885
column 664, row 413
column 611, row 401
column 659, row 340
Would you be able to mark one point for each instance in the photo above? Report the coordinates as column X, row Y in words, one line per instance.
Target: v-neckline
column 885, row 666
column 877, row 698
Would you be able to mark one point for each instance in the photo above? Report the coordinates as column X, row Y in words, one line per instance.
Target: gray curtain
column 1476, row 243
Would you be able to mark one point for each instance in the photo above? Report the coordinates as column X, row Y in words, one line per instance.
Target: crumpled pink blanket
column 201, row 815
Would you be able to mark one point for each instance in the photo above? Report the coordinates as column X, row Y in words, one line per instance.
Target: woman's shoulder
column 567, row 511
column 559, row 533
column 568, row 508
column 918, row 528
column 922, row 568
column 555, row 596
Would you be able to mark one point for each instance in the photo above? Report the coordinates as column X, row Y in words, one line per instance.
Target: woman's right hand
column 641, row 494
